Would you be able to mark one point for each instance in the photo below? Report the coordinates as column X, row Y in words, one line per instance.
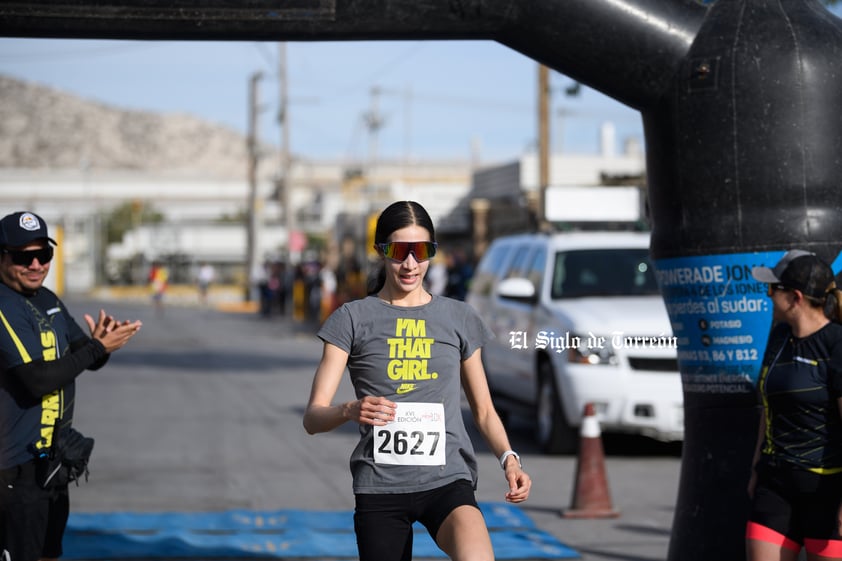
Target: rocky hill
column 44, row 128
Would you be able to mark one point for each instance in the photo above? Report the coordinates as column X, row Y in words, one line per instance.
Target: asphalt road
column 202, row 412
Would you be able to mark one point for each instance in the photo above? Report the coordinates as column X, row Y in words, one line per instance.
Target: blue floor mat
column 277, row 535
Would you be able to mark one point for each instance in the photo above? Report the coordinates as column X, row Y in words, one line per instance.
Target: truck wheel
column 553, row 433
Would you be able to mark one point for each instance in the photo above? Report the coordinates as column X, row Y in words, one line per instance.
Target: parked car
column 578, row 318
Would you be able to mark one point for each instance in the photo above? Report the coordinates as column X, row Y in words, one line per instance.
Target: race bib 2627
column 416, row 436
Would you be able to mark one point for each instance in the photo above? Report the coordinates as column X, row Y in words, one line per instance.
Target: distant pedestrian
column 410, row 355
column 204, row 279
column 328, row 292
column 159, row 277
column 284, row 282
column 459, row 274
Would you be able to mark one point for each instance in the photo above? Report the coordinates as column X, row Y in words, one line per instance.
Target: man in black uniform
column 42, row 350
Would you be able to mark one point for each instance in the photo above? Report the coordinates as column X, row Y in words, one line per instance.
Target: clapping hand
column 111, row 333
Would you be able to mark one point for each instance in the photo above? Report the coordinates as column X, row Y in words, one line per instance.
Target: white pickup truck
column 578, row 318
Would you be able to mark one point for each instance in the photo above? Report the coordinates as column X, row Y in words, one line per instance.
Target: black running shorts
column 797, row 504
column 383, row 522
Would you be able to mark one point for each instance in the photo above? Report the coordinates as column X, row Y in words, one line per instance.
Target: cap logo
column 29, row 222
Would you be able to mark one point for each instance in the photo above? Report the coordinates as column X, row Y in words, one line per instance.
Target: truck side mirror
column 517, row 289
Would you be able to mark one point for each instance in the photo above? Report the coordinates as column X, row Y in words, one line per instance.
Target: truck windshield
column 603, row 272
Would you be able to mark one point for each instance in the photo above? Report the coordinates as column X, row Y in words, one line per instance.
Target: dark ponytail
column 833, row 303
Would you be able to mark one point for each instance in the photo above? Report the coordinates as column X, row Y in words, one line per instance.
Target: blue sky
column 439, row 99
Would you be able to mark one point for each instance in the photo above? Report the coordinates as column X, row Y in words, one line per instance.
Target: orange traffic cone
column 590, row 495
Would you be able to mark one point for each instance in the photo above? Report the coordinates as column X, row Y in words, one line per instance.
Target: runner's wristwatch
column 504, row 456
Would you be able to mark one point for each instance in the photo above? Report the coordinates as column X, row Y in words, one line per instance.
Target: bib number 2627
column 416, row 436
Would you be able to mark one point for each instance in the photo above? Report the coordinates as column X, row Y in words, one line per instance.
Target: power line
column 270, row 61
column 386, row 67
column 498, row 104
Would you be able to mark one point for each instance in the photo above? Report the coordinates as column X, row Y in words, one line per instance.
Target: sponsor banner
column 721, row 317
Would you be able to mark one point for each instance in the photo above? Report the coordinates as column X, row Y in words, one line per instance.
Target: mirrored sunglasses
column 399, row 251
column 25, row 257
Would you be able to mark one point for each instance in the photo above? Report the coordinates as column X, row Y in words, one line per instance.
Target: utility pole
column 374, row 122
column 251, row 208
column 285, row 175
column 543, row 143
column 407, row 127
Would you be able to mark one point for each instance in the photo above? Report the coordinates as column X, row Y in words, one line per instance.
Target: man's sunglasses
column 770, row 288
column 399, row 251
column 25, row 257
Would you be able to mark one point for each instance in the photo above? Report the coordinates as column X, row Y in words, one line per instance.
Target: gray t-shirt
column 409, row 354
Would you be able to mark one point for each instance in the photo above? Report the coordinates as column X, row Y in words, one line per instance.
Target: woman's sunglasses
column 771, row 288
column 25, row 257
column 399, row 251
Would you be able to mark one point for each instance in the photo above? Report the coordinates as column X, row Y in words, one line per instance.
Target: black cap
column 799, row 270
column 20, row 228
